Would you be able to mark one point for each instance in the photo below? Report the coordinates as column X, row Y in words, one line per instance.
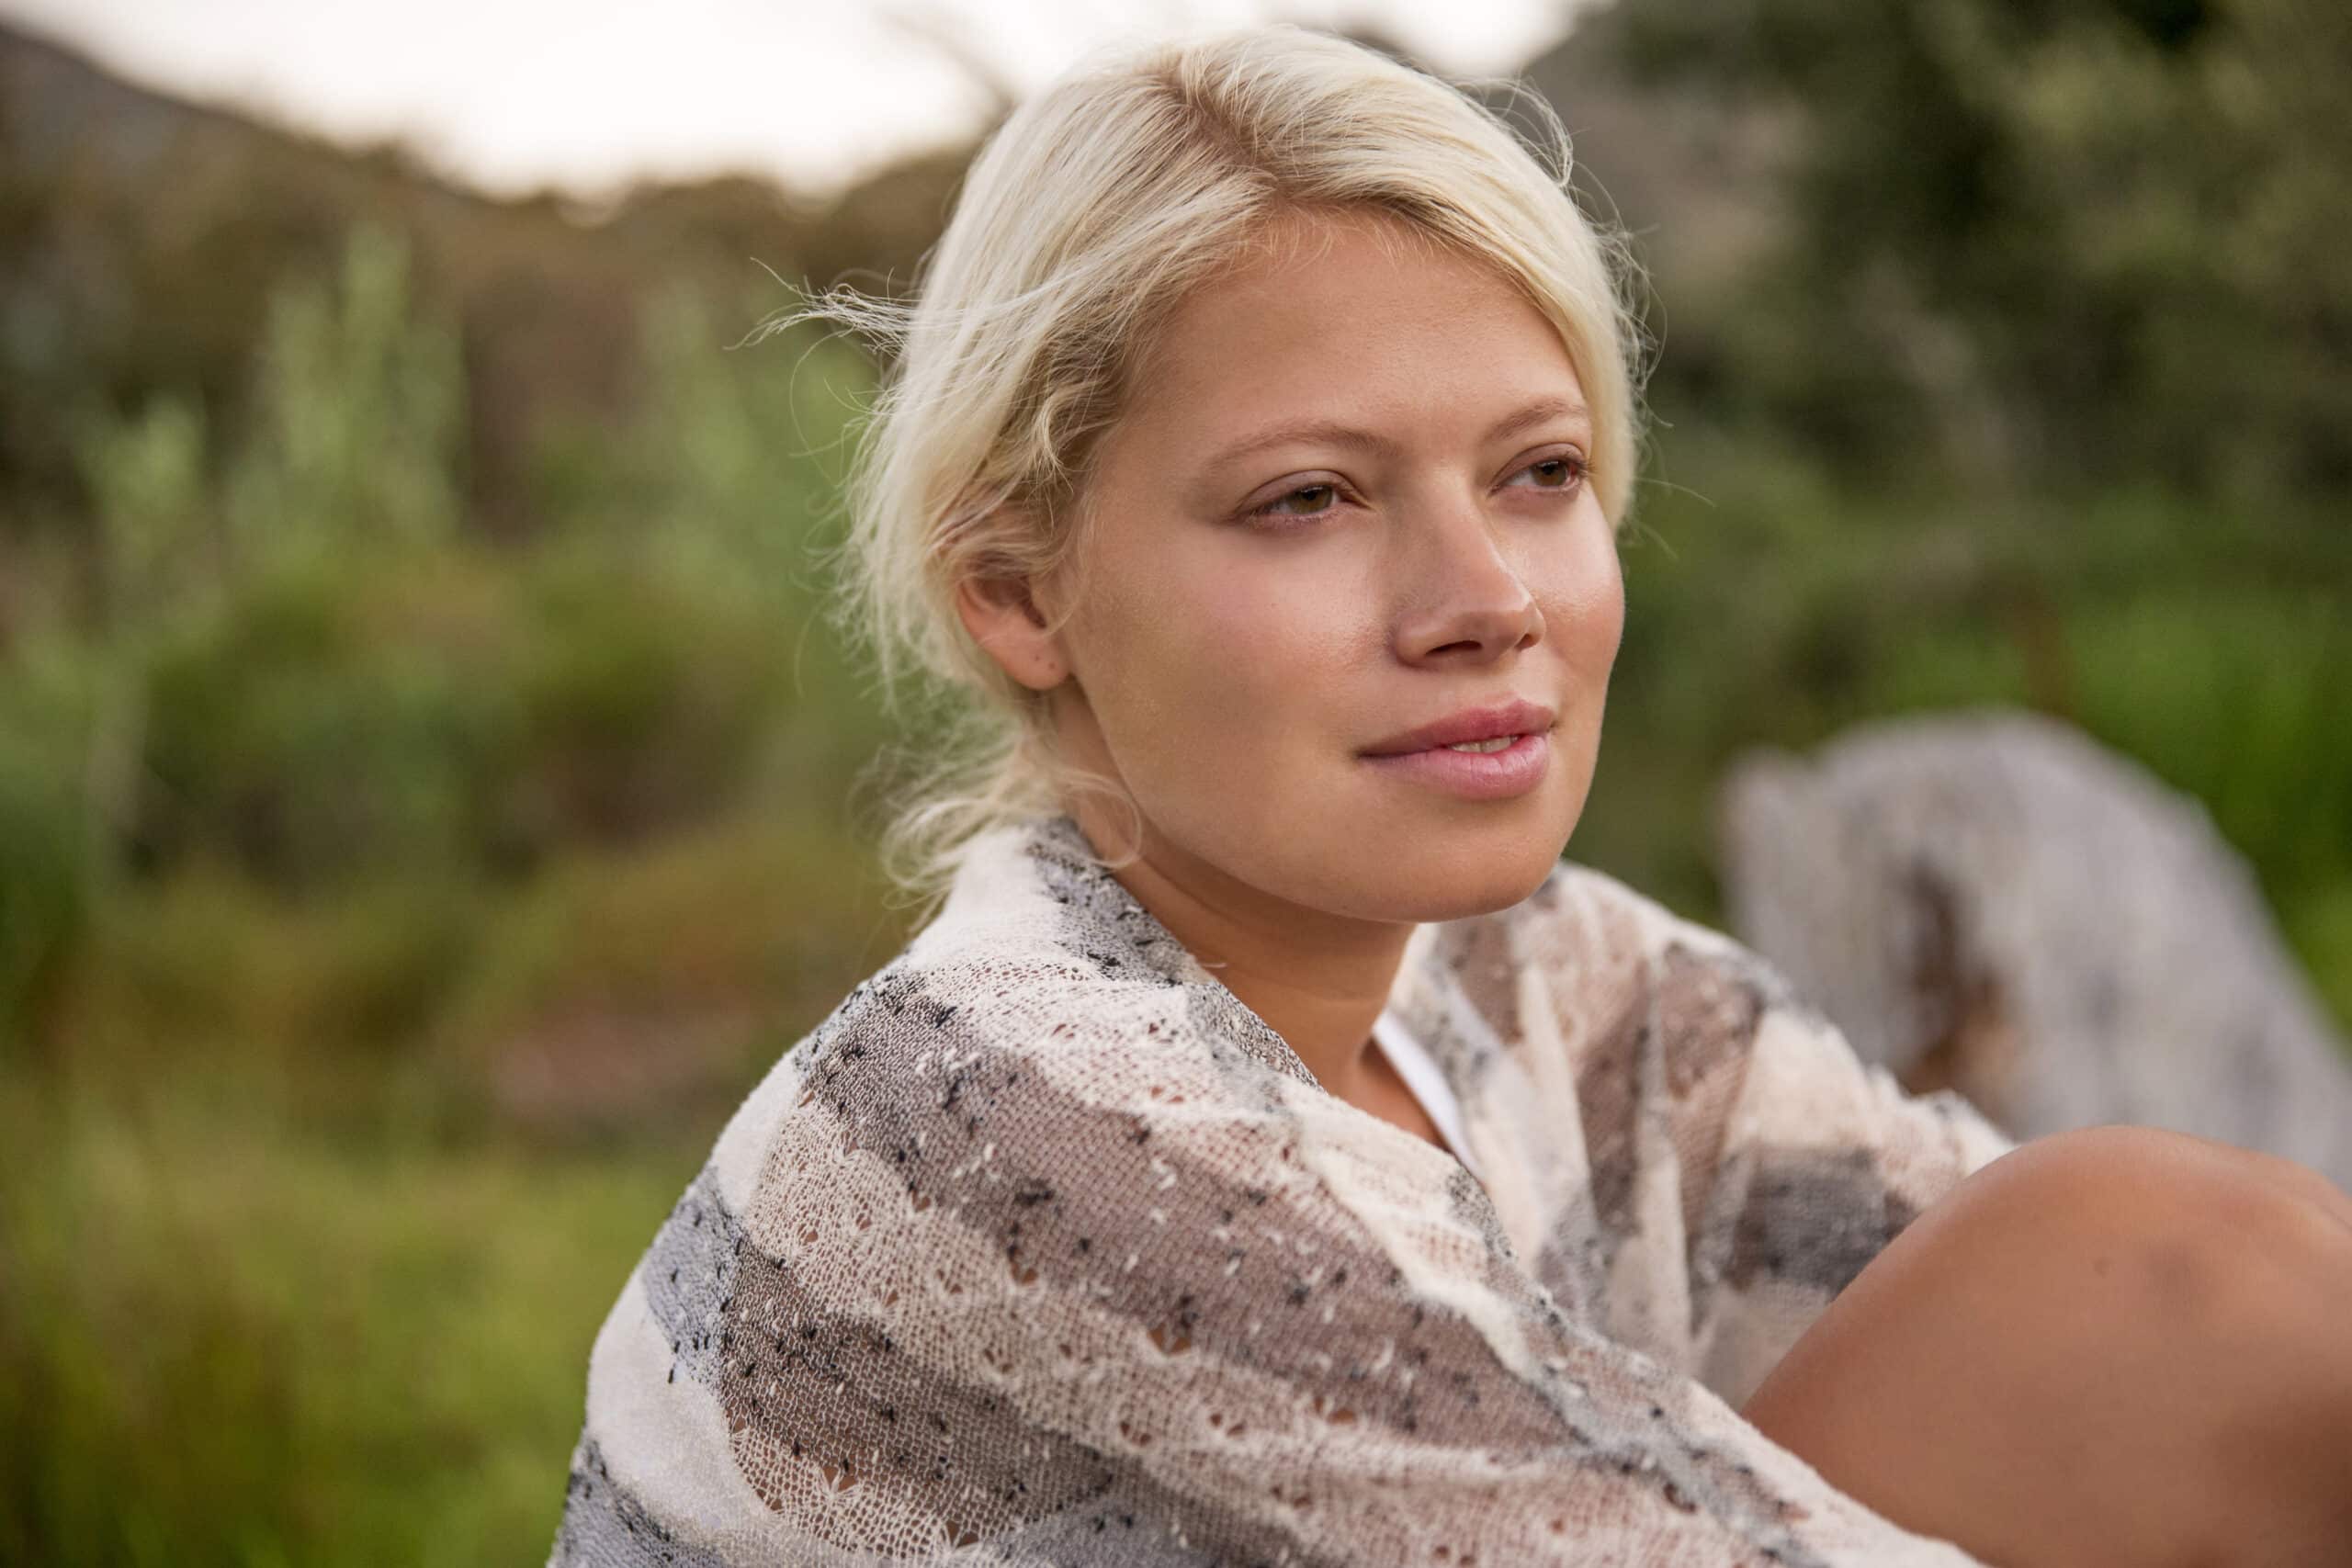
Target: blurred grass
column 290, row 1282
column 229, row 1338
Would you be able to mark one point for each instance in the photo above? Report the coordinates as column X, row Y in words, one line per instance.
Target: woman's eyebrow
column 1543, row 410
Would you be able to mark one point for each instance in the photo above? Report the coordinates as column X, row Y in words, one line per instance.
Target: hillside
column 141, row 237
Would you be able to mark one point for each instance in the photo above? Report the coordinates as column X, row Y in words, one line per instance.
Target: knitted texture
column 1042, row 1248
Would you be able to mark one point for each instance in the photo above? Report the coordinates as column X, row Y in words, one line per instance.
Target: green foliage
column 356, row 436
column 643, row 702
column 146, row 479
column 284, row 732
column 726, row 486
column 225, row 1340
column 2206, row 645
column 353, row 864
column 43, row 885
column 351, row 687
column 2091, row 242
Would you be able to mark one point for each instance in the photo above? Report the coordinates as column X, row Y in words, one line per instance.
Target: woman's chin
column 1439, row 869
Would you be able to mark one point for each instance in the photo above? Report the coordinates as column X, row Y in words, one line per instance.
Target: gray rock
column 1991, row 901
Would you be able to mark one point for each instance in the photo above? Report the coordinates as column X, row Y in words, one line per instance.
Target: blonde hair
column 1084, row 220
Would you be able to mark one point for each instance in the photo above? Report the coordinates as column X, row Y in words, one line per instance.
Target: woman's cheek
column 1588, row 617
column 1235, row 634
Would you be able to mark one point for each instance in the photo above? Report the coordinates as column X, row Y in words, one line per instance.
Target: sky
column 512, row 95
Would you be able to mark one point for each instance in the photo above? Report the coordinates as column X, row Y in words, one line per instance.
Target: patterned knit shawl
column 1044, row 1249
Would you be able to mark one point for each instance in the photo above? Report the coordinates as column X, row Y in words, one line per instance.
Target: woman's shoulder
column 1719, row 1011
column 1594, row 935
column 1025, row 1003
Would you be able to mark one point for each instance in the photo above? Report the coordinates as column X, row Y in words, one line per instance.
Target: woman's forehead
column 1339, row 308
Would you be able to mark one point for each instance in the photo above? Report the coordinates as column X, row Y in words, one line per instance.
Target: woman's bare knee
column 2041, row 1366
column 2289, row 1176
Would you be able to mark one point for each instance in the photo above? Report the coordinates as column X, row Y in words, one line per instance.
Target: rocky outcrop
column 1991, row 902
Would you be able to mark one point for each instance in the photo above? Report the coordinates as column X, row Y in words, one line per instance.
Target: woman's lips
column 1516, row 717
column 1474, row 775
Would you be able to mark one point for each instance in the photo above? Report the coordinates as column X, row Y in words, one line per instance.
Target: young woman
column 1271, row 1151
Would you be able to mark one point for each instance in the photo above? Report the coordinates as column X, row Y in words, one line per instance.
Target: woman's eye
column 1556, row 473
column 1562, row 473
column 1318, row 499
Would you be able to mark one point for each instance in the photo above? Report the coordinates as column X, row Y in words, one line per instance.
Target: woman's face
column 1347, row 500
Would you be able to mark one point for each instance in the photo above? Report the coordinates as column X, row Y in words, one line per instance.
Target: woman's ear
column 1003, row 619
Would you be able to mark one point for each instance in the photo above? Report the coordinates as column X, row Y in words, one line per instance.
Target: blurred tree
column 361, row 414
column 2074, row 240
column 156, row 569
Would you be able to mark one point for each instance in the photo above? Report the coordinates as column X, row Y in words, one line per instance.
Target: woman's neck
column 1318, row 980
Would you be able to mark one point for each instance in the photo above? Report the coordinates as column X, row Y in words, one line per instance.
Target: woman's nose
column 1464, row 599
